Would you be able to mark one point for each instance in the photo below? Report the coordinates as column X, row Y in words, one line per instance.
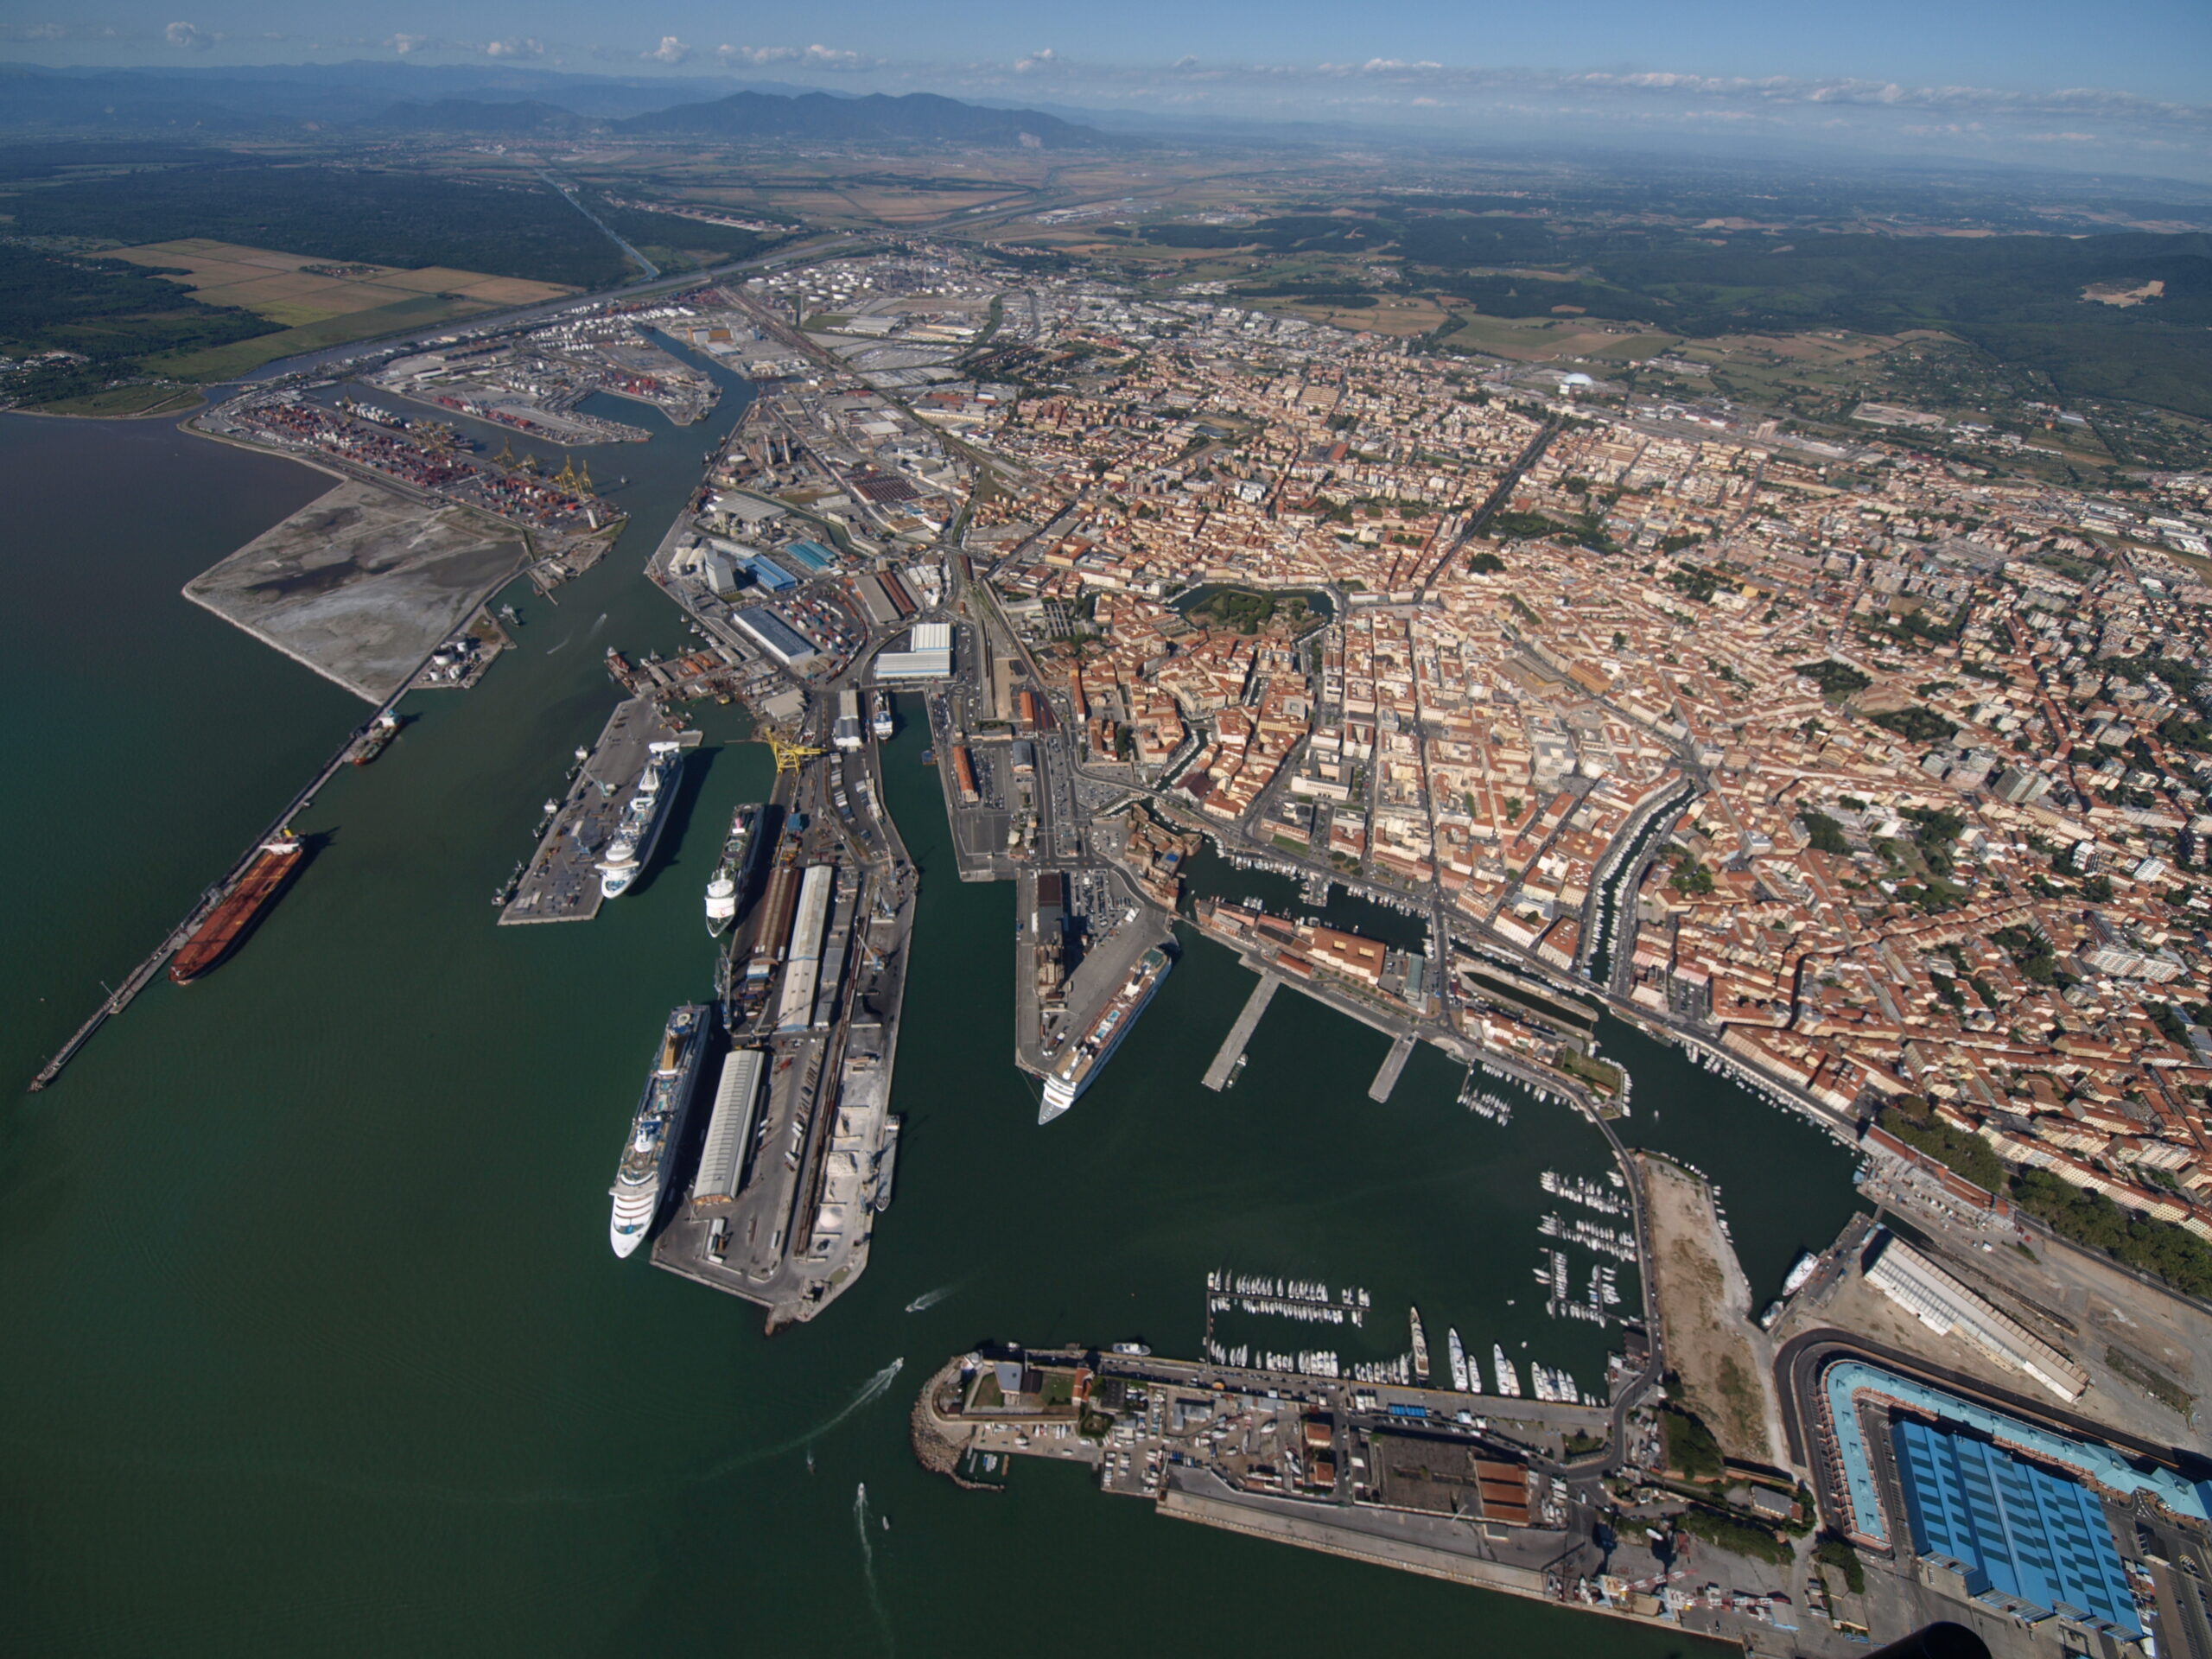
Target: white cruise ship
column 729, row 873
column 1086, row 1057
column 657, row 1129
column 638, row 832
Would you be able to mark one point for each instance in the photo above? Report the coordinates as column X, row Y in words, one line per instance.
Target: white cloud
column 1044, row 58
column 816, row 56
column 670, row 50
column 186, row 37
column 523, row 48
column 404, row 44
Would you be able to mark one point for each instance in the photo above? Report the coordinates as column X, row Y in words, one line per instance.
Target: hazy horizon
column 2038, row 84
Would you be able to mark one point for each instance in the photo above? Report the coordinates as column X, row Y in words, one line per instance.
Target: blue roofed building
column 816, row 557
column 2024, row 1540
column 770, row 574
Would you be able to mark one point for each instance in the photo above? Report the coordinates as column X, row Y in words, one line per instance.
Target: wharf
column 120, row 997
column 796, row 1232
column 799, row 1230
column 1107, row 964
column 1233, row 1046
column 560, row 883
column 1386, row 1079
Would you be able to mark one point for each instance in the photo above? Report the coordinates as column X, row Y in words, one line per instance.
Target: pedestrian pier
column 1233, row 1046
column 1393, row 1062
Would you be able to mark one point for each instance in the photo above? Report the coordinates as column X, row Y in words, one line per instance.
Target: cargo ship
column 726, row 885
column 886, row 1165
column 1458, row 1357
column 274, row 862
column 638, row 832
column 1086, row 1057
column 375, row 739
column 646, row 1169
column 1420, row 1348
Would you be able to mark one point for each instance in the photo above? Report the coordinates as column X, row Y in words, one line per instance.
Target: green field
column 241, row 357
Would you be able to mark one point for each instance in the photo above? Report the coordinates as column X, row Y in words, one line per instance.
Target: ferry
column 1800, row 1270
column 1086, row 1057
column 1458, row 1357
column 882, row 723
column 1420, row 1348
column 657, row 1129
column 638, row 832
column 724, row 887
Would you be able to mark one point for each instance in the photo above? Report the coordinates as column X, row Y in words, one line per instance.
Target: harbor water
column 318, row 1343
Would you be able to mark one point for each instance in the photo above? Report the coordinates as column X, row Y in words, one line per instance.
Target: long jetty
column 143, row 976
column 1386, row 1079
column 1233, row 1046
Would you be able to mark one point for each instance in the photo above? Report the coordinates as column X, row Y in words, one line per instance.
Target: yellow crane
column 790, row 750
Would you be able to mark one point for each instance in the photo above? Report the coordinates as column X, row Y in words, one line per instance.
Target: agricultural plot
column 320, row 302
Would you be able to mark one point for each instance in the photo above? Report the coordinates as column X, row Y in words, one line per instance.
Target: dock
column 561, row 882
column 120, row 996
column 1393, row 1062
column 1233, row 1046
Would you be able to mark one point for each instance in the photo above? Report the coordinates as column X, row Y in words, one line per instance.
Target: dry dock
column 561, row 883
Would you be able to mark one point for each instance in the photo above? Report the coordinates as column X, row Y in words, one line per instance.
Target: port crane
column 790, row 750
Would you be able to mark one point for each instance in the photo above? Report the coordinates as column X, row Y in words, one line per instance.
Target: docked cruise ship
column 657, row 1130
column 724, row 887
column 883, row 723
column 638, row 832
column 1086, row 1057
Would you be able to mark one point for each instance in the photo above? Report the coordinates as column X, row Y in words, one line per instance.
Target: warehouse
column 729, row 1131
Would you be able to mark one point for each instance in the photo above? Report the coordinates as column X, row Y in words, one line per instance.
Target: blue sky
column 2099, row 82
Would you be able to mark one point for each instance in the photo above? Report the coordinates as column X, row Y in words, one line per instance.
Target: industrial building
column 2023, row 1540
column 928, row 655
column 803, row 968
column 846, row 733
column 1949, row 1308
column 729, row 1131
column 776, row 637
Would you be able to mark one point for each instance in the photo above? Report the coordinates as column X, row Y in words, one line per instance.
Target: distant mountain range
column 527, row 118
column 917, row 116
column 390, row 98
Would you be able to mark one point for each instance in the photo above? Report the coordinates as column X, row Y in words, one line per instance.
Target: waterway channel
column 319, row 1342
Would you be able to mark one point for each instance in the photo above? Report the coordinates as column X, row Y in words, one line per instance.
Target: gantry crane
column 790, row 750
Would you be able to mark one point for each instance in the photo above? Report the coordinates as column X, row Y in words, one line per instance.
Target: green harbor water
column 316, row 1342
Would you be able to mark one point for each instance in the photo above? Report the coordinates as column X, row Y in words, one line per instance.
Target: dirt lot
column 362, row 584
column 1721, row 1359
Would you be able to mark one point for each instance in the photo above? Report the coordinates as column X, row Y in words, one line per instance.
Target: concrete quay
column 1386, row 1077
column 561, row 882
column 797, row 1231
column 1240, row 1034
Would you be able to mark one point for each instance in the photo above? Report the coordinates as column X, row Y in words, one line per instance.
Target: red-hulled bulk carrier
column 273, row 866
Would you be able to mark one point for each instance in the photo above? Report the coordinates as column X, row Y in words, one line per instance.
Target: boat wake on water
column 930, row 1299
column 597, row 626
column 564, row 645
column 867, row 1561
